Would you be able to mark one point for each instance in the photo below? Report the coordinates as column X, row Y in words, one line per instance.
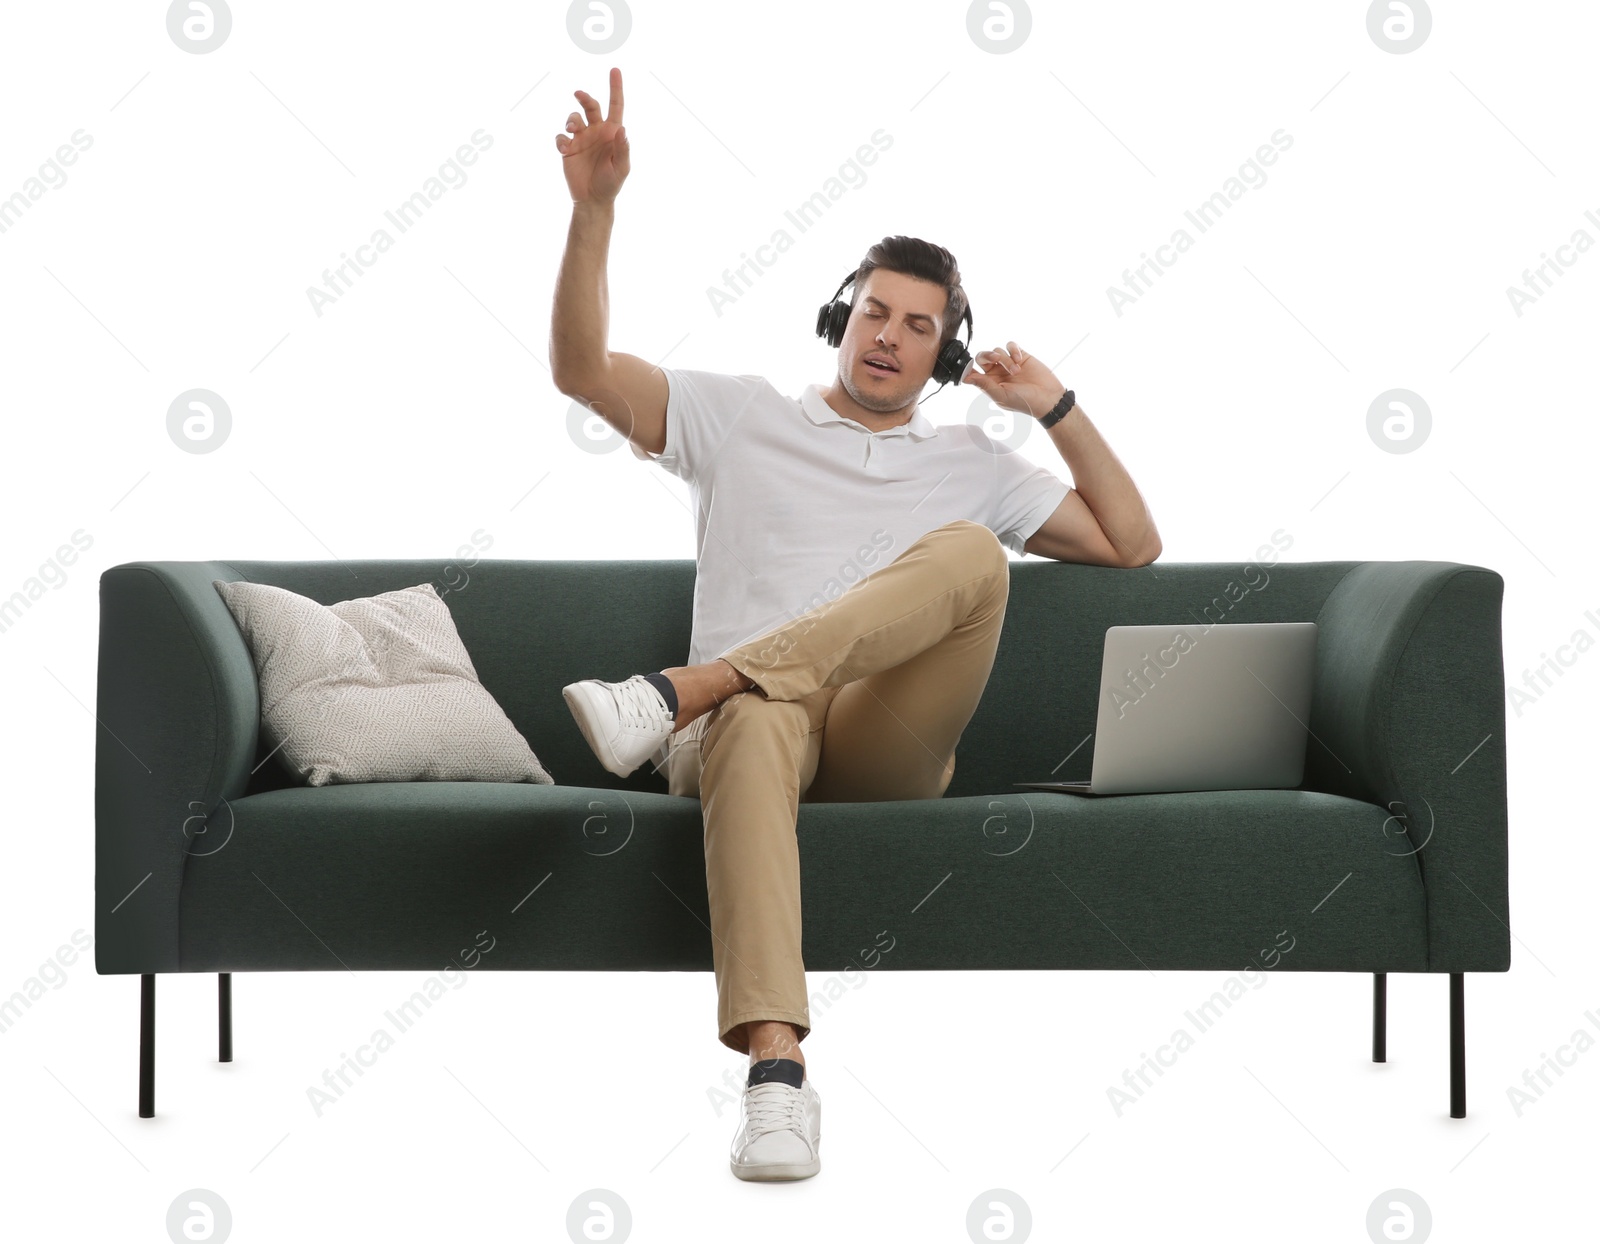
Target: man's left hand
column 1015, row 380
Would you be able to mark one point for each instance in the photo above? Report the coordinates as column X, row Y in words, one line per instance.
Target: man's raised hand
column 594, row 151
column 1015, row 380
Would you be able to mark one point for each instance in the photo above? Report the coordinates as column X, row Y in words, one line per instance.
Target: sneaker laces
column 639, row 704
column 774, row 1106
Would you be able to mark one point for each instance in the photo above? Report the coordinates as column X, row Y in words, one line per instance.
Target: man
column 851, row 581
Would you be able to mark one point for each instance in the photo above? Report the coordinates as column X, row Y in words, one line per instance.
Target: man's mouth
column 878, row 364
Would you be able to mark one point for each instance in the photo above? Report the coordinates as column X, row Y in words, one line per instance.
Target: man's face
column 897, row 317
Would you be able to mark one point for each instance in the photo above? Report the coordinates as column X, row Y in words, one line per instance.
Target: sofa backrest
column 531, row 627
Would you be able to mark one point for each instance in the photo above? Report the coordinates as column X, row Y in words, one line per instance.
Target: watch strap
column 1059, row 411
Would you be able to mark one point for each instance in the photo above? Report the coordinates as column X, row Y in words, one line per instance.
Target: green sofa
column 1390, row 857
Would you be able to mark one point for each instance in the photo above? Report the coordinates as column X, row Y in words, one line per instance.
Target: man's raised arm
column 626, row 391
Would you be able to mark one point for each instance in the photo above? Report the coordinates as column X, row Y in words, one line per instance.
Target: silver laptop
column 1219, row 707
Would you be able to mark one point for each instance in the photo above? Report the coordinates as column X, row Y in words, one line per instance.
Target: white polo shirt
column 794, row 503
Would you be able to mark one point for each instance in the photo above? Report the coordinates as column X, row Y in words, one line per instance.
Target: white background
column 418, row 409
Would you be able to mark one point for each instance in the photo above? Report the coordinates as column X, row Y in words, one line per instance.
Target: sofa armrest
column 177, row 710
column 1408, row 712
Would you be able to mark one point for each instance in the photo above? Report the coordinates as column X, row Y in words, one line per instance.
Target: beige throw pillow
column 377, row 689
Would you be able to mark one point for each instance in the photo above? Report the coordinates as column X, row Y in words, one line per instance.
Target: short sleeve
column 703, row 409
column 1025, row 494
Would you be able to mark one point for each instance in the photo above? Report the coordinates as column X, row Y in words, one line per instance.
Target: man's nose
column 889, row 339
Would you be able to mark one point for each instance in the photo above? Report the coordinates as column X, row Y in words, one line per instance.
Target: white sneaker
column 624, row 723
column 780, row 1132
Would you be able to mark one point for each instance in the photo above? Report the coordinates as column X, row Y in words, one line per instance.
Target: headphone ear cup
column 838, row 319
column 825, row 322
column 952, row 362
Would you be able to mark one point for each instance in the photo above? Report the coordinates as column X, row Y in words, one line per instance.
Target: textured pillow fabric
column 377, row 689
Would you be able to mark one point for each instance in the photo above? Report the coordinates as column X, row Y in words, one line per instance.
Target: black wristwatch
column 1058, row 412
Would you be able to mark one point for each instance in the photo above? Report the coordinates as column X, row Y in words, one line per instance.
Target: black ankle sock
column 663, row 684
column 785, row 1069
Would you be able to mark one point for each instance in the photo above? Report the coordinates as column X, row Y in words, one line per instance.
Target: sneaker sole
column 584, row 700
column 777, row 1171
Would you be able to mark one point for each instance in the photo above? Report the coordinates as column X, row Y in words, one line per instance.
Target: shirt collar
column 819, row 412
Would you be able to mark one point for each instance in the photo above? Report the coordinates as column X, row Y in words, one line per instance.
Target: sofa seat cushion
column 402, row 875
column 405, row 875
column 1182, row 881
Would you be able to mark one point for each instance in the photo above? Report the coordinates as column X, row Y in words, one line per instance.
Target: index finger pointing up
column 614, row 111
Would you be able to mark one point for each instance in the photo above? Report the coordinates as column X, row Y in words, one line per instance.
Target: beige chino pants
column 862, row 698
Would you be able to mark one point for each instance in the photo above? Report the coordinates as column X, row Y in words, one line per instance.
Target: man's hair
column 924, row 260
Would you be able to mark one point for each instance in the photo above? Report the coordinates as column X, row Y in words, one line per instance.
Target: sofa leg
column 225, row 1017
column 1458, row 1047
column 147, row 1046
column 1380, row 1017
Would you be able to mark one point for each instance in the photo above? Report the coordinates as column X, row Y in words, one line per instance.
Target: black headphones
column 948, row 368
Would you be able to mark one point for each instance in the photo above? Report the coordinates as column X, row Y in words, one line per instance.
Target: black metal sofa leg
column 1380, row 1017
column 1458, row 1035
column 1458, row 1047
column 225, row 1017
column 147, row 1035
column 147, row 1046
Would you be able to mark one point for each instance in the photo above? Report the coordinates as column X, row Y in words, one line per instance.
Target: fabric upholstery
column 1409, row 681
column 397, row 875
